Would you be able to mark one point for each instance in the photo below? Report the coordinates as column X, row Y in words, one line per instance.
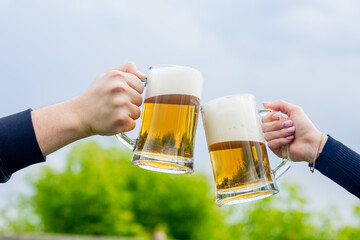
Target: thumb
column 279, row 105
column 130, row 67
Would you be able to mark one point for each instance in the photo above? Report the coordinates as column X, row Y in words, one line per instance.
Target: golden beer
column 237, row 150
column 239, row 164
column 169, row 119
column 168, row 127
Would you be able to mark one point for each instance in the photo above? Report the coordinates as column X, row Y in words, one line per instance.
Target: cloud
column 157, row 21
column 324, row 20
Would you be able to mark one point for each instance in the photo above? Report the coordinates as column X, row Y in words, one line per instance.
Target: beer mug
column 169, row 120
column 237, row 150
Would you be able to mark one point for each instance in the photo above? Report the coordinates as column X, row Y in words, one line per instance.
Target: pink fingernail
column 276, row 116
column 290, row 137
column 287, row 123
column 290, row 130
column 283, row 116
column 265, row 103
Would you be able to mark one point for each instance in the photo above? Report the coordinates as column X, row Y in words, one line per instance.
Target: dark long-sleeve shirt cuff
column 18, row 145
column 340, row 164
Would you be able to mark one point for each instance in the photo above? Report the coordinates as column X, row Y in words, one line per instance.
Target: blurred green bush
column 100, row 193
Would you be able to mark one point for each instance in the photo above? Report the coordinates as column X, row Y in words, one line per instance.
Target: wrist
column 316, row 145
column 57, row 125
column 75, row 112
column 323, row 142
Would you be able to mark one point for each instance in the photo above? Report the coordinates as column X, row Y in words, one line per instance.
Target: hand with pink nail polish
column 289, row 124
column 306, row 143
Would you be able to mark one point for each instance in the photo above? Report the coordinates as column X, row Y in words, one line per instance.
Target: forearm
column 340, row 164
column 58, row 125
column 18, row 145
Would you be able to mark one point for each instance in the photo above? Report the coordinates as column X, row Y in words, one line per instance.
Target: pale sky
column 304, row 52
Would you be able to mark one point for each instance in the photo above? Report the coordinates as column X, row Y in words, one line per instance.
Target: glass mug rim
column 163, row 65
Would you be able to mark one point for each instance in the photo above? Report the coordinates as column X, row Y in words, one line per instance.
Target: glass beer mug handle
column 125, row 139
column 285, row 164
column 286, row 161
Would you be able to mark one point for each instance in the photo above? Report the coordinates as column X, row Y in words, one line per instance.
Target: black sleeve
column 18, row 145
column 340, row 164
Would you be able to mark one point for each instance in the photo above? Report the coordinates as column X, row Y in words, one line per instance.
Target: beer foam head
column 174, row 80
column 232, row 118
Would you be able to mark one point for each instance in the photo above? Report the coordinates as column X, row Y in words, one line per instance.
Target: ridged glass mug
column 237, row 150
column 169, row 120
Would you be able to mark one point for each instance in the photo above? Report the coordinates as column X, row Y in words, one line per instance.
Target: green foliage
column 101, row 193
column 18, row 217
column 351, row 232
column 282, row 217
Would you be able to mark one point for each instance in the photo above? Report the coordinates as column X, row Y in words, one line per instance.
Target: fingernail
column 141, row 75
column 287, row 123
column 290, row 137
column 276, row 115
column 290, row 130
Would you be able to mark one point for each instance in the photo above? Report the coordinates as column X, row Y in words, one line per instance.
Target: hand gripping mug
column 237, row 150
column 169, row 120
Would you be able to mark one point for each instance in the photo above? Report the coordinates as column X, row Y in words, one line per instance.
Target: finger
column 124, row 94
column 134, row 111
column 280, row 105
column 126, row 125
column 135, row 97
column 276, row 144
column 130, row 67
column 274, row 116
column 134, row 82
column 276, row 125
column 279, row 134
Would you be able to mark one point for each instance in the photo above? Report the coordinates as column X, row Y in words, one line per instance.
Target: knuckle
column 130, row 64
column 119, row 87
column 282, row 102
column 279, row 125
column 278, row 102
column 123, row 123
column 121, row 118
column 130, row 77
column 120, row 102
column 114, row 73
